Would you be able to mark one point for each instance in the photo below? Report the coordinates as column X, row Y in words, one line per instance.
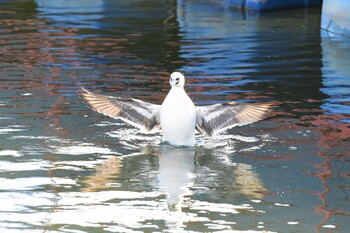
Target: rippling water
column 64, row 168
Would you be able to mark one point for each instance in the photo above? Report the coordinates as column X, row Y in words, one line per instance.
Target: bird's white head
column 177, row 79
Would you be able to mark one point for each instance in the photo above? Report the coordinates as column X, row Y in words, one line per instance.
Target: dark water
column 64, row 168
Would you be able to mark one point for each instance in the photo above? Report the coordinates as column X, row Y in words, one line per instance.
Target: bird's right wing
column 216, row 118
column 140, row 114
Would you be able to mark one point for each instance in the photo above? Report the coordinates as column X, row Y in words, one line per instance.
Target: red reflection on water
column 333, row 128
column 334, row 133
column 325, row 175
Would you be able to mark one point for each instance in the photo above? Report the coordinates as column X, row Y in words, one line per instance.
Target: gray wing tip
column 247, row 113
column 267, row 108
column 261, row 110
column 83, row 92
column 91, row 98
column 88, row 95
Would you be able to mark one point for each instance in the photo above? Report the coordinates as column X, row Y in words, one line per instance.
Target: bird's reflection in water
column 180, row 174
column 176, row 173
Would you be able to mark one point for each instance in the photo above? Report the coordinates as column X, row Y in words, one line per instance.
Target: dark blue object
column 269, row 4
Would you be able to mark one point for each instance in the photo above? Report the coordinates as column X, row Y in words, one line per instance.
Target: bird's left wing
column 213, row 119
column 140, row 114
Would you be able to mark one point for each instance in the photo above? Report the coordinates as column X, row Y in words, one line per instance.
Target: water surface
column 65, row 168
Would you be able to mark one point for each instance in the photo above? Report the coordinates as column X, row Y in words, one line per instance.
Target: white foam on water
column 244, row 138
column 243, row 231
column 27, row 94
column 82, row 149
column 78, row 165
column 82, row 198
column 24, row 166
column 33, row 137
column 19, row 201
column 132, row 138
column 10, row 130
column 32, row 182
column 219, row 207
column 252, row 148
column 18, row 222
column 92, row 207
column 12, row 153
column 282, row 204
column 224, row 222
column 213, row 226
column 267, row 138
column 256, row 201
column 107, row 123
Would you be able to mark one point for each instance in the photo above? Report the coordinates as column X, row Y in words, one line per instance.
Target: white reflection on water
column 171, row 200
column 129, row 193
column 176, row 174
column 7, row 130
column 157, row 187
column 82, row 149
column 12, row 153
column 30, row 183
column 24, row 166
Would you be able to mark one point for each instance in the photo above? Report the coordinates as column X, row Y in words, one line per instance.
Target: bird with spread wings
column 177, row 117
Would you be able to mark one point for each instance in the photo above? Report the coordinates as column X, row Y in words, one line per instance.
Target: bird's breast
column 177, row 115
column 178, row 120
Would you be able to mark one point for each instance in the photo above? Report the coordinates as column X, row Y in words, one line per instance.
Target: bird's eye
column 177, row 79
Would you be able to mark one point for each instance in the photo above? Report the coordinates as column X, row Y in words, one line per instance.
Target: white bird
column 178, row 118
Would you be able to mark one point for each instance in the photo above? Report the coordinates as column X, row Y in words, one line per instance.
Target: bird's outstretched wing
column 213, row 119
column 140, row 114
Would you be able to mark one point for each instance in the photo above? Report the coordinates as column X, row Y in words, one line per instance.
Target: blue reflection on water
column 82, row 14
column 336, row 70
column 227, row 44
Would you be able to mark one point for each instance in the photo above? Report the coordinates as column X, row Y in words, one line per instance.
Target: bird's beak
column 171, row 81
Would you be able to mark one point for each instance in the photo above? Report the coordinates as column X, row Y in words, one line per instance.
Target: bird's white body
column 178, row 118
